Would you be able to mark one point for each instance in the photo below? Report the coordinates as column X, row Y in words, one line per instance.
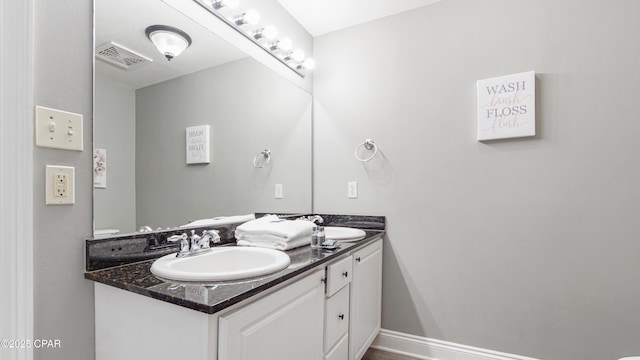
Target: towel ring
column 266, row 153
column 369, row 145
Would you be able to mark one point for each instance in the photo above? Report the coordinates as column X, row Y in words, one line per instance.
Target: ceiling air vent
column 120, row 56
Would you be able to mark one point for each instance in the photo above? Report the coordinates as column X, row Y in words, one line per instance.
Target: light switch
column 60, row 185
column 279, row 191
column 58, row 129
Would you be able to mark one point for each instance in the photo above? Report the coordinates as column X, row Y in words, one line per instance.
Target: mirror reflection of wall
column 114, row 124
column 142, row 127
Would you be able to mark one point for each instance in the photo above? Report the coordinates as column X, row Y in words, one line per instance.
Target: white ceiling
column 321, row 17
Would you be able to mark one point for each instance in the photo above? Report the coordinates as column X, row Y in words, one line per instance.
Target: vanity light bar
column 279, row 49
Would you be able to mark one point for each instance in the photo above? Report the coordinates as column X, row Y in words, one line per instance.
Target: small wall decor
column 198, row 151
column 506, row 106
column 100, row 168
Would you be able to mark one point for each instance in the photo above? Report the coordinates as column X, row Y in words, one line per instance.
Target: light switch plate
column 58, row 129
column 60, row 185
column 352, row 189
column 279, row 191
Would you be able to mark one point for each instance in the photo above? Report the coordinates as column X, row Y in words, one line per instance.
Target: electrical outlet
column 60, row 185
column 58, row 129
column 279, row 191
column 352, row 189
column 59, row 182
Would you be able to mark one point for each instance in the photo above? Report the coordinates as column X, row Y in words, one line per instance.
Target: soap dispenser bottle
column 320, row 236
column 314, row 238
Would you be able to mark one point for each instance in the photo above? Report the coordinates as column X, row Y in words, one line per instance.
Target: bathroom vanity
column 325, row 305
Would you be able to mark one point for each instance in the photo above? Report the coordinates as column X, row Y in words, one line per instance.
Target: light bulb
column 285, row 44
column 231, row 4
column 251, row 17
column 297, row 55
column 268, row 32
column 309, row 64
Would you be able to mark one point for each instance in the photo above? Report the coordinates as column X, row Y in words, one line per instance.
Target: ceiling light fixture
column 169, row 41
column 247, row 24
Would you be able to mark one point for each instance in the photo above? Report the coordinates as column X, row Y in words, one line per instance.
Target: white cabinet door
column 286, row 325
column 366, row 299
column 336, row 321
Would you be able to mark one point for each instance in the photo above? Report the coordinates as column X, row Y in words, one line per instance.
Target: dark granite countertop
column 213, row 297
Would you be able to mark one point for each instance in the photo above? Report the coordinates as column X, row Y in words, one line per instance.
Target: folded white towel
column 265, row 241
column 221, row 220
column 273, row 232
column 273, row 225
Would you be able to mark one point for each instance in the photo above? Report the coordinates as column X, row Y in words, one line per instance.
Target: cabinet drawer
column 336, row 317
column 338, row 275
column 340, row 351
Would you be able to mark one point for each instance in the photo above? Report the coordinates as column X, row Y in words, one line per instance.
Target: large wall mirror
column 142, row 111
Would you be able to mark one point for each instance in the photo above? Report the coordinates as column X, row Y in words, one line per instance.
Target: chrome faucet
column 208, row 237
column 195, row 244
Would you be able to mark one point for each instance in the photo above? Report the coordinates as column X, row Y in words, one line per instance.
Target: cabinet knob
column 358, row 259
column 345, row 274
column 341, row 316
column 324, row 280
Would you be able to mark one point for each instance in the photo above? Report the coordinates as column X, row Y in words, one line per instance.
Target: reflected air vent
column 120, row 56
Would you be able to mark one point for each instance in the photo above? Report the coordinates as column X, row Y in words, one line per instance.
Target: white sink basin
column 221, row 264
column 343, row 234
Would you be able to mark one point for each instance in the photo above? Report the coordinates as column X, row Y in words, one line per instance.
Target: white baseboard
column 433, row 349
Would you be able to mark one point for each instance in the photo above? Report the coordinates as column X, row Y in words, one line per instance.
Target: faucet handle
column 174, row 238
column 314, row 219
column 145, row 229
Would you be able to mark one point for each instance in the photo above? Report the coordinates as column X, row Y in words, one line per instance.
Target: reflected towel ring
column 266, row 153
column 369, row 145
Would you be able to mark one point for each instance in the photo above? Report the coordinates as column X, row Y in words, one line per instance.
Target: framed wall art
column 506, row 106
column 198, row 145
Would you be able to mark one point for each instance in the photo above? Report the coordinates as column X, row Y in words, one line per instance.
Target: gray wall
column 63, row 299
column 115, row 130
column 525, row 246
column 250, row 109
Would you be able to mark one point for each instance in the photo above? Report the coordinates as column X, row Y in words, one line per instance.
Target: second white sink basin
column 221, row 264
column 343, row 234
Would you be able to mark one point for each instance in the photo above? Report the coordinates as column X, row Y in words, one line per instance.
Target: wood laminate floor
column 374, row 354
